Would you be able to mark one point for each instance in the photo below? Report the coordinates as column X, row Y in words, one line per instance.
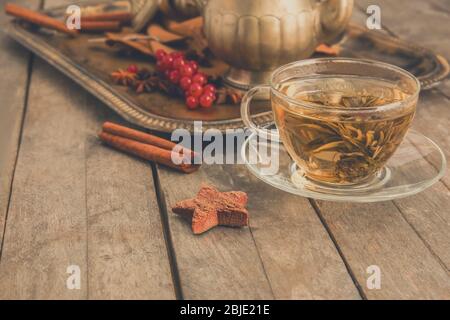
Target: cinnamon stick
column 186, row 28
column 162, row 34
column 99, row 26
column 333, row 50
column 37, row 18
column 156, row 45
column 128, row 133
column 123, row 17
column 113, row 38
column 146, row 151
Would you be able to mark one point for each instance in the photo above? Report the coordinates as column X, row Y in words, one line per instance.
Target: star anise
column 145, row 81
column 225, row 95
column 123, row 77
column 228, row 95
column 161, row 83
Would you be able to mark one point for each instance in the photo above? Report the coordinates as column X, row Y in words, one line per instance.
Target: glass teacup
column 339, row 119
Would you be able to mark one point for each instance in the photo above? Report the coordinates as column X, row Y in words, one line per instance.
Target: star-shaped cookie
column 211, row 208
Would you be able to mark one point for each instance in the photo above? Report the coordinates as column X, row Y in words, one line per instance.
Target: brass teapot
column 257, row 36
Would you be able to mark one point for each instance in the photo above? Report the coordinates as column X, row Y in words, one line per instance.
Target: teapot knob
column 334, row 17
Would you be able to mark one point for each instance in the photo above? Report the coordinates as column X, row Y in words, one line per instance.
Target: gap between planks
column 436, row 256
column 87, row 218
column 333, row 238
column 439, row 94
column 258, row 252
column 167, row 234
column 270, row 279
column 338, row 249
column 442, row 181
column 19, row 143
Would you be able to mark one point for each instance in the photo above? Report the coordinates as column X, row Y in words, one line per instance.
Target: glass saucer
column 417, row 165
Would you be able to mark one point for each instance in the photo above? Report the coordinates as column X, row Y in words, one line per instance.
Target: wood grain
column 127, row 255
column 46, row 228
column 377, row 234
column 14, row 62
column 286, row 253
column 77, row 202
column 404, row 246
column 427, row 211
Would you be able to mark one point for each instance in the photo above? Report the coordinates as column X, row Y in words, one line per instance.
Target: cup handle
column 246, row 117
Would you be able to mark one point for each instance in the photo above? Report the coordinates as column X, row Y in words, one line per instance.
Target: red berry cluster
column 185, row 74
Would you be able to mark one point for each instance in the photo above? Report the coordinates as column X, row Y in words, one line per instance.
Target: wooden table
column 65, row 199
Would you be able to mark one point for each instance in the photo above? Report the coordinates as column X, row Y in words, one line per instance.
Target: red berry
column 209, row 93
column 167, row 74
column 210, row 88
column 206, row 101
column 192, row 102
column 200, row 78
column 196, row 90
column 132, row 68
column 177, row 54
column 160, row 66
column 194, row 66
column 178, row 63
column 187, row 71
column 174, row 76
column 168, row 62
column 185, row 83
column 160, row 54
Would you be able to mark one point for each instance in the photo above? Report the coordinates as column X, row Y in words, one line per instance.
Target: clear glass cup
column 340, row 119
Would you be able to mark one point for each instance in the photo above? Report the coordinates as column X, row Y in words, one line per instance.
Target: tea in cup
column 339, row 119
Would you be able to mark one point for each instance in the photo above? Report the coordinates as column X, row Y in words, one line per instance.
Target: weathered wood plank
column 14, row 62
column 127, row 256
column 219, row 263
column 77, row 202
column 222, row 264
column 404, row 246
column 46, row 228
column 377, row 234
column 286, row 254
column 407, row 276
column 427, row 212
column 432, row 120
